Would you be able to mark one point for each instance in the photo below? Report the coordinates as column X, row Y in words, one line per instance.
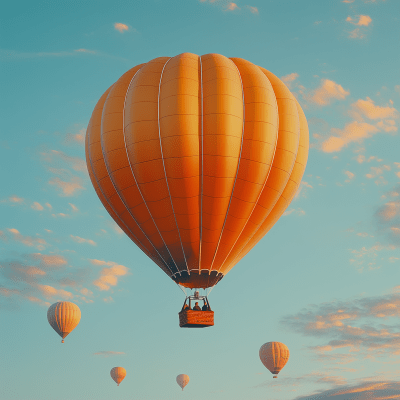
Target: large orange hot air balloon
column 64, row 317
column 118, row 374
column 274, row 356
column 196, row 158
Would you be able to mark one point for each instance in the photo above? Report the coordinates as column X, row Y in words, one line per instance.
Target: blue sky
column 324, row 281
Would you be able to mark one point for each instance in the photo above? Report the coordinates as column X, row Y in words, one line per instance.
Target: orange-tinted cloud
column 363, row 20
column 352, row 132
column 364, row 391
column 67, row 188
column 231, row 7
column 367, row 108
column 253, row 10
column 288, row 79
column 31, row 241
column 121, row 27
column 326, row 93
column 78, row 239
column 37, row 206
column 109, row 276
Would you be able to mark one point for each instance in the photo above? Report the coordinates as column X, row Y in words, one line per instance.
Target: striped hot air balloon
column 64, row 317
column 274, row 356
column 196, row 158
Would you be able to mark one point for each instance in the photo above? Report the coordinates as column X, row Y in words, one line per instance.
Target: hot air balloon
column 274, row 356
column 64, row 317
column 118, row 374
column 196, row 158
column 182, row 380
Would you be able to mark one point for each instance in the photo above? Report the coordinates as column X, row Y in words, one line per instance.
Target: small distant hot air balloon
column 118, row 374
column 274, row 356
column 182, row 380
column 64, row 317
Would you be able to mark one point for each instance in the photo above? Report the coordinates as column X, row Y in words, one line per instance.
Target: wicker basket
column 196, row 319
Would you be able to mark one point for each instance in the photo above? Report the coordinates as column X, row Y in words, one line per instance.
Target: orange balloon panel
column 195, row 158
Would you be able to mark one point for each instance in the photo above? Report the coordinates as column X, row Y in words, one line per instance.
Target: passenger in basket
column 186, row 307
column 205, row 307
column 196, row 307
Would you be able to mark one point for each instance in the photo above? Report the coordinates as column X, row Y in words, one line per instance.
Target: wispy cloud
column 253, row 10
column 379, row 390
column 67, row 188
column 231, row 7
column 37, row 206
column 289, row 79
column 360, row 324
column 78, row 239
column 13, row 234
column 121, row 27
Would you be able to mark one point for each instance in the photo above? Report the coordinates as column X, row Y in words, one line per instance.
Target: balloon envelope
column 196, row 158
column 274, row 356
column 118, row 374
column 63, row 317
column 182, row 380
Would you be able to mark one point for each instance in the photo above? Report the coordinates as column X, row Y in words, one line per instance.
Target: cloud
column 353, row 132
column 74, row 207
column 76, row 137
column 288, row 79
column 299, row 212
column 363, row 20
column 367, row 108
column 78, row 239
column 232, row 7
column 356, row 34
column 37, row 206
column 33, row 279
column 67, row 188
column 109, row 353
column 253, row 10
column 121, row 27
column 356, row 325
column 378, row 390
column 77, row 163
column 350, row 176
column 15, row 199
column 326, row 93
column 109, row 276
column 31, row 241
column 49, row 260
column 388, row 219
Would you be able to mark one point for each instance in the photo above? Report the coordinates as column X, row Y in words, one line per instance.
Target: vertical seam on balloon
column 202, row 166
column 123, row 202
column 134, row 177
column 97, row 181
column 261, row 191
column 162, row 157
column 237, row 169
column 294, row 162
